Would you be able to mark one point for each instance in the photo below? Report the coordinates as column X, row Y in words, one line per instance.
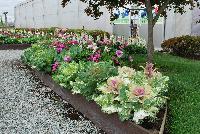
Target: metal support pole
column 6, row 20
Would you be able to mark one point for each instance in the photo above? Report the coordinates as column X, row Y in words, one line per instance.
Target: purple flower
column 119, row 53
column 67, row 59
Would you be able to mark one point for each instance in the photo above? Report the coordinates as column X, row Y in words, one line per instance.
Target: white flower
column 140, row 115
column 106, row 49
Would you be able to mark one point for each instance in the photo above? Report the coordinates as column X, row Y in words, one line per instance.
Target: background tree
column 93, row 10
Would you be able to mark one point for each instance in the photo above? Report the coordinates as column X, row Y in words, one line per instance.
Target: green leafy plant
column 66, row 73
column 40, row 56
column 89, row 77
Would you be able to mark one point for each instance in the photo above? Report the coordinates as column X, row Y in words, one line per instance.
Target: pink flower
column 67, row 59
column 139, row 91
column 59, row 49
column 121, row 47
column 85, row 37
column 55, row 66
column 61, row 45
column 126, row 43
column 94, row 57
column 74, row 42
column 119, row 53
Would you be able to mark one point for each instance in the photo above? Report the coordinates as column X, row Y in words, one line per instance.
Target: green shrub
column 186, row 46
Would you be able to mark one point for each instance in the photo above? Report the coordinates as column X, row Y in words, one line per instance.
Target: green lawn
column 184, row 91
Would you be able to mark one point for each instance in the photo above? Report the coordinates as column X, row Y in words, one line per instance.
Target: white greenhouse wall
column 50, row 13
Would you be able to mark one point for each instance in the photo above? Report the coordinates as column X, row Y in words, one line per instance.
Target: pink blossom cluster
column 59, row 46
column 55, row 66
column 72, row 42
column 95, row 57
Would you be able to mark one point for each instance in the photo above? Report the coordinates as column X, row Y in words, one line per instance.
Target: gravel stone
column 29, row 107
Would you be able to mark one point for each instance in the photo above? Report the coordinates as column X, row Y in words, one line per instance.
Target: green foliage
column 10, row 40
column 93, row 33
column 40, row 57
column 66, row 73
column 186, row 46
column 135, row 49
column 89, row 77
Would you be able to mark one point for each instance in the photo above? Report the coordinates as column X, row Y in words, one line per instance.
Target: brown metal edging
column 162, row 128
column 111, row 124
column 14, row 46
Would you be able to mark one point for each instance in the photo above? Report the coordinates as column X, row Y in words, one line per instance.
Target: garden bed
column 14, row 46
column 111, row 124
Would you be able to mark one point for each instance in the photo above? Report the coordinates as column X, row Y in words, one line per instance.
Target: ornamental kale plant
column 90, row 76
column 66, row 73
column 40, row 57
column 134, row 95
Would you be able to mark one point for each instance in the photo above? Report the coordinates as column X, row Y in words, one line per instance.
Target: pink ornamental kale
column 139, row 91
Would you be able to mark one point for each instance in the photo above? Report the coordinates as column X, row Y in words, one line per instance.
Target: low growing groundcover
column 184, row 91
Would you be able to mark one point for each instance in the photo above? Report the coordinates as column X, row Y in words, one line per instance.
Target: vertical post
column 165, row 24
column 6, row 19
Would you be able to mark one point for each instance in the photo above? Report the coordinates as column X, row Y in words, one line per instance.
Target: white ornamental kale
column 139, row 115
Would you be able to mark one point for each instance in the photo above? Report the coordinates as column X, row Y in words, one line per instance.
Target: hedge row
column 185, row 46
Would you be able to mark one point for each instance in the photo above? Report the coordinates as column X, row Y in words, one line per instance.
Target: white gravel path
column 28, row 107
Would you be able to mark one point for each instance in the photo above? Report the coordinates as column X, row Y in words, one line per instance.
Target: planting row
column 100, row 69
column 31, row 36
